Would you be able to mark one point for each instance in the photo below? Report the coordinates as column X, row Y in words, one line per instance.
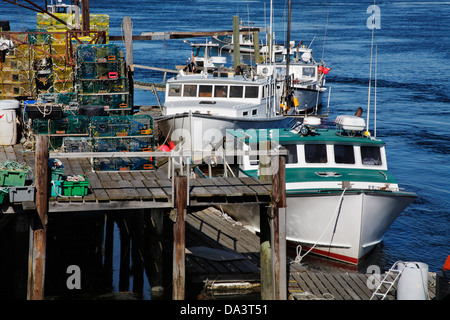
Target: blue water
column 413, row 96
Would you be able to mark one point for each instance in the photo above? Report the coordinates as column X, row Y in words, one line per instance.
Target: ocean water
column 412, row 91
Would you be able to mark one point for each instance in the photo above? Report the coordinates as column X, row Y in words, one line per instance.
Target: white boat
column 308, row 77
column 341, row 198
column 246, row 39
column 205, row 56
column 201, row 107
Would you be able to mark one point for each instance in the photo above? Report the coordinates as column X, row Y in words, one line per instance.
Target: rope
column 14, row 166
column 299, row 257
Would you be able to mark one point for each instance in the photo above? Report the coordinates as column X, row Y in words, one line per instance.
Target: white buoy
column 413, row 282
column 8, row 125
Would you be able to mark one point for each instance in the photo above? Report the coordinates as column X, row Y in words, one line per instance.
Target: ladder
column 391, row 272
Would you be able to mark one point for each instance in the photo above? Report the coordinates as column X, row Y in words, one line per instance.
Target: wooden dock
column 220, row 253
column 213, row 228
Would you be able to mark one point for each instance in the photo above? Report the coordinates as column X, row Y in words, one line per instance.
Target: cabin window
column 292, row 156
column 254, row 112
column 371, row 156
column 190, row 90
column 309, row 72
column 220, row 91
column 245, row 113
column 316, row 153
column 344, row 154
column 205, row 91
column 175, row 90
column 251, row 91
column 236, row 91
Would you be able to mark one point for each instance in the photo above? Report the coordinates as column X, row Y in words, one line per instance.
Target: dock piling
column 179, row 272
column 38, row 230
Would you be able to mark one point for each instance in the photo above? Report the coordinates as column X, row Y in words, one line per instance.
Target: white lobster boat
column 308, row 77
column 341, row 198
column 201, row 107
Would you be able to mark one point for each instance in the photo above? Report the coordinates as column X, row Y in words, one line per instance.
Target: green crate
column 75, row 188
column 56, row 174
column 3, row 195
column 56, row 188
column 12, row 178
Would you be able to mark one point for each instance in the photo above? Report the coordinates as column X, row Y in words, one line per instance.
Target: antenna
column 375, row 101
column 370, row 74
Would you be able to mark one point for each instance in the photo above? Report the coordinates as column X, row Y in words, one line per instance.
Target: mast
column 288, row 39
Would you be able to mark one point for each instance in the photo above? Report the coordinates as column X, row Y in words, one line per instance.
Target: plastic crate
column 75, row 188
column 56, row 174
column 21, row 194
column 12, row 178
column 3, row 195
column 56, row 188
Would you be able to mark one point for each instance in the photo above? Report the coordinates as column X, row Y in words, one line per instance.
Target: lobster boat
column 341, row 198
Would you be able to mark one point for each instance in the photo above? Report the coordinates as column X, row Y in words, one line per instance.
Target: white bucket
column 413, row 282
column 8, row 125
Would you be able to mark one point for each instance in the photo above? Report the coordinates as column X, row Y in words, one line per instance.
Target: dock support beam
column 273, row 235
column 38, row 232
column 279, row 228
column 179, row 232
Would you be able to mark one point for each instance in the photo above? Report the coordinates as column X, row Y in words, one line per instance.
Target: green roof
column 285, row 136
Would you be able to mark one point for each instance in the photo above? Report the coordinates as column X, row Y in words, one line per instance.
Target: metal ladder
column 390, row 272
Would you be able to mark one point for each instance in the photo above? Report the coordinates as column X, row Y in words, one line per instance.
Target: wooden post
column 256, row 47
column 154, row 225
column 178, row 274
column 85, row 15
column 267, row 291
column 279, row 227
column 37, row 250
column 128, row 35
column 236, row 44
column 267, row 280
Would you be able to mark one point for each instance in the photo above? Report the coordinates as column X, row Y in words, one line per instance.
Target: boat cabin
column 323, row 154
column 228, row 96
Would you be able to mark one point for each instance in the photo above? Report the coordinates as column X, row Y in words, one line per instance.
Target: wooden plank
column 343, row 279
column 197, row 190
column 140, row 188
column 332, row 290
column 360, row 281
column 341, row 291
column 10, row 154
column 3, row 157
column 18, row 151
column 155, row 189
column 128, row 188
column 226, row 187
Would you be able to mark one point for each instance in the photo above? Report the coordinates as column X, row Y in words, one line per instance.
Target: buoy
column 171, row 145
column 320, row 69
column 447, row 264
column 413, row 282
column 164, row 148
column 325, row 70
column 295, row 101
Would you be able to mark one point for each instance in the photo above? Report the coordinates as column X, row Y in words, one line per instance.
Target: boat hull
column 200, row 131
column 308, row 99
column 344, row 226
